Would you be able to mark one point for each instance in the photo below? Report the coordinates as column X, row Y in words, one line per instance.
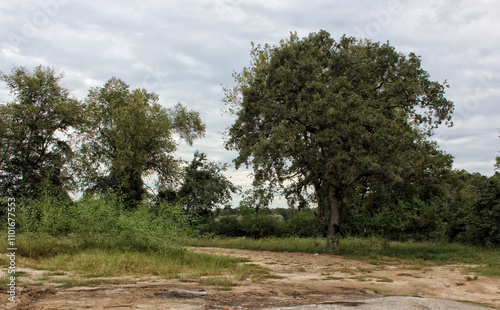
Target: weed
column 55, row 273
column 332, row 278
column 218, row 281
column 72, row 282
column 92, row 263
column 379, row 291
column 21, row 273
column 405, row 275
column 472, row 278
column 367, row 270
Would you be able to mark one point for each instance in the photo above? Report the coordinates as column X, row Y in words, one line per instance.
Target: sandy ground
column 308, row 282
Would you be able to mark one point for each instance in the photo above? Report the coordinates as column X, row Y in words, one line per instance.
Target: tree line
column 339, row 127
column 108, row 142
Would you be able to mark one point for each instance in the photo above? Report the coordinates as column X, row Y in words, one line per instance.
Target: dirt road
column 312, row 281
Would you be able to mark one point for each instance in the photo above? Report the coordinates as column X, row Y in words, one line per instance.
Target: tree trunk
column 319, row 201
column 334, row 223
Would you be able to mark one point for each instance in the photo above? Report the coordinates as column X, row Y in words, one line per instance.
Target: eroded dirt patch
column 305, row 279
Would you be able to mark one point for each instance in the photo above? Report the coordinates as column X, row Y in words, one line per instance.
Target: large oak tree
column 316, row 113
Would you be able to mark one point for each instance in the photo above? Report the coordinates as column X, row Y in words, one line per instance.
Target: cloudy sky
column 185, row 50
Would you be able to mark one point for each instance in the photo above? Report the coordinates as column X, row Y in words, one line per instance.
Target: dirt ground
column 305, row 279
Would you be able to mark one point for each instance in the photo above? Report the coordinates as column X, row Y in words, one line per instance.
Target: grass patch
column 378, row 251
column 72, row 282
column 54, row 273
column 21, row 274
column 107, row 263
column 366, row 270
column 384, row 279
column 59, row 255
column 422, row 253
column 218, row 281
column 42, row 245
column 332, row 278
column 403, row 274
column 304, row 245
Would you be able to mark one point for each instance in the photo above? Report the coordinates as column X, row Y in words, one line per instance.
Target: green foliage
column 337, row 117
column 43, row 245
column 104, row 222
column 229, row 226
column 129, row 135
column 264, row 224
column 32, row 127
column 408, row 220
column 204, row 186
column 475, row 209
column 49, row 215
column 107, row 224
column 305, row 224
column 260, row 225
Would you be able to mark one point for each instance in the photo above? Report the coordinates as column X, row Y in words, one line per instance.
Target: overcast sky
column 184, row 50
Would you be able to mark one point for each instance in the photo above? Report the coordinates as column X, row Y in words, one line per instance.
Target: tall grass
column 438, row 252
column 97, row 222
column 116, row 263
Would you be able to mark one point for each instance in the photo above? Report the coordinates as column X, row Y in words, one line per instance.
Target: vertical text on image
column 11, row 241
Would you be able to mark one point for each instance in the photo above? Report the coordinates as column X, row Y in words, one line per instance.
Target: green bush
column 305, row 224
column 229, row 226
column 264, row 225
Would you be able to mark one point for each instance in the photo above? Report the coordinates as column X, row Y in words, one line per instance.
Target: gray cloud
column 184, row 50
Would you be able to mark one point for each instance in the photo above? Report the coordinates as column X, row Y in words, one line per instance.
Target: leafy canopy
column 128, row 135
column 34, row 150
column 316, row 112
column 204, row 186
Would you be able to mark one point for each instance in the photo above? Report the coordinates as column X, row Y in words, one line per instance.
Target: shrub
column 103, row 222
column 229, row 226
column 305, row 224
column 259, row 225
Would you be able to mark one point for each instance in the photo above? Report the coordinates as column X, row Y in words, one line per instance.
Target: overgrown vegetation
column 102, row 222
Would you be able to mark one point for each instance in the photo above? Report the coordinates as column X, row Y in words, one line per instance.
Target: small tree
column 34, row 151
column 204, row 186
column 129, row 135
